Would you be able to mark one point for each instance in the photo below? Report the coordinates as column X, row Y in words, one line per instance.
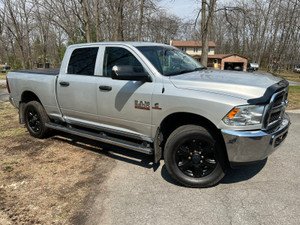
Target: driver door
column 124, row 105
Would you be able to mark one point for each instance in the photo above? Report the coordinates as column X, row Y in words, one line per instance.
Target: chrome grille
column 275, row 109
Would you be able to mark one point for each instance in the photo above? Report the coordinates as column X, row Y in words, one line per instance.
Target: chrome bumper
column 250, row 146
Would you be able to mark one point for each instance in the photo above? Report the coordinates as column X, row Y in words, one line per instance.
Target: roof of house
column 222, row 56
column 191, row 43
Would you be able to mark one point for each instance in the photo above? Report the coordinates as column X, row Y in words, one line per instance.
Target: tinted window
column 115, row 56
column 83, row 61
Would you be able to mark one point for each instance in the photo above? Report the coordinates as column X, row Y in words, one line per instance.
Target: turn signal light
column 233, row 113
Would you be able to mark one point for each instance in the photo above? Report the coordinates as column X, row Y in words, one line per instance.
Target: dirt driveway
column 48, row 181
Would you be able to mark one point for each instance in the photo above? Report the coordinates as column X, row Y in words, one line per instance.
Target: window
column 83, row 61
column 195, row 49
column 208, row 49
column 183, row 49
column 169, row 61
column 115, row 56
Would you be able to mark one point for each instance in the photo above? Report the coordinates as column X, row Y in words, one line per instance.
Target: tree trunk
column 86, row 20
column 118, row 34
column 206, row 27
column 141, row 20
column 96, row 5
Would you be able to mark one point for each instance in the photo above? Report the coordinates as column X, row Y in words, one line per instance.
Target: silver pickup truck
column 155, row 99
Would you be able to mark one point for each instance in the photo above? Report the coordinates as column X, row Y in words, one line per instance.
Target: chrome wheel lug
column 202, row 157
column 201, row 161
column 190, row 157
column 191, row 153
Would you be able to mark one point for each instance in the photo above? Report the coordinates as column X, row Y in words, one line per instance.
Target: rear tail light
column 7, row 86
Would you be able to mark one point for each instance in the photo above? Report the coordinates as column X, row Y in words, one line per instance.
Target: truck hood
column 243, row 85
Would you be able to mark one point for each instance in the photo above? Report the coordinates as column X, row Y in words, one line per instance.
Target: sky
column 186, row 9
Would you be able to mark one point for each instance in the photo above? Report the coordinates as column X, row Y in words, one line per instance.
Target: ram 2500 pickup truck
column 155, row 99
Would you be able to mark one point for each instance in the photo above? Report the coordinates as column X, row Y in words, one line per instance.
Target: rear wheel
column 35, row 119
column 193, row 157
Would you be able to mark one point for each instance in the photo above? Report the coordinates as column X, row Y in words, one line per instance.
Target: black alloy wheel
column 194, row 156
column 35, row 119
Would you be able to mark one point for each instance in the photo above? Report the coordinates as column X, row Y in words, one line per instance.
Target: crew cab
column 154, row 98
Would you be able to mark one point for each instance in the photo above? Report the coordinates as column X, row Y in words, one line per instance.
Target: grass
column 3, row 76
column 49, row 179
column 294, row 97
column 288, row 75
column 2, row 86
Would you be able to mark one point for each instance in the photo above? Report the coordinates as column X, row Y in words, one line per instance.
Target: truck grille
column 276, row 109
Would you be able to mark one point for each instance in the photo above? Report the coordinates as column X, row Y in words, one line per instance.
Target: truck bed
column 40, row 82
column 52, row 71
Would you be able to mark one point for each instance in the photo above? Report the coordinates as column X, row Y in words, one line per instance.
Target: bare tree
column 118, row 34
column 141, row 20
column 265, row 31
column 207, row 15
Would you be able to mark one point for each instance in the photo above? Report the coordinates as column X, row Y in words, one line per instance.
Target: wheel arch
column 26, row 97
column 175, row 120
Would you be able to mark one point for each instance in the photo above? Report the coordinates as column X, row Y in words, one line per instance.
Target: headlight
column 244, row 115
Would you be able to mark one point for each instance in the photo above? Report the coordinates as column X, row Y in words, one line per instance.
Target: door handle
column 105, row 88
column 63, row 83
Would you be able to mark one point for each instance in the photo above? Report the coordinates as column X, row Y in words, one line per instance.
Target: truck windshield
column 170, row 61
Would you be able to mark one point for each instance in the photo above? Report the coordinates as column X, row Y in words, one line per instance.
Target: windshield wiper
column 186, row 71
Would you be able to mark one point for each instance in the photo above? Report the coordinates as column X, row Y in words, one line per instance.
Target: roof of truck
column 128, row 43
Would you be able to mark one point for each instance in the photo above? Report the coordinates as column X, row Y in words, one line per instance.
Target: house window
column 195, row 49
column 183, row 49
column 209, row 49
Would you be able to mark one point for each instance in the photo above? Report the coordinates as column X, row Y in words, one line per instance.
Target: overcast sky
column 186, row 9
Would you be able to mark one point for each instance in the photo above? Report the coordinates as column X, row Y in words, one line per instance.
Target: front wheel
column 35, row 119
column 193, row 157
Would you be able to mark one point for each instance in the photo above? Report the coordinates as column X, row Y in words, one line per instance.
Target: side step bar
column 102, row 137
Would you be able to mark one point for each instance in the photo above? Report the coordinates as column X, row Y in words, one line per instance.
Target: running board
column 102, row 137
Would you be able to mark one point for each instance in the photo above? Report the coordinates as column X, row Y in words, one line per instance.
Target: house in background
column 227, row 62
column 194, row 48
column 4, row 68
column 215, row 61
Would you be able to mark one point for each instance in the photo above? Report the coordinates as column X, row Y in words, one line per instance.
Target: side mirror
column 128, row 72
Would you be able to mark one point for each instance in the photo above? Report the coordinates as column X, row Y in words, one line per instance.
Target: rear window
column 83, row 61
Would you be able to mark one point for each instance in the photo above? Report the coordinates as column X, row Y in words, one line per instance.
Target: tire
column 194, row 157
column 35, row 119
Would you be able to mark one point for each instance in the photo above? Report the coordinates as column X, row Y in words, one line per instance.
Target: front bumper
column 250, row 146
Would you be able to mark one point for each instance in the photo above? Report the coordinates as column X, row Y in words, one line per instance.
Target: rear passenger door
column 77, row 87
